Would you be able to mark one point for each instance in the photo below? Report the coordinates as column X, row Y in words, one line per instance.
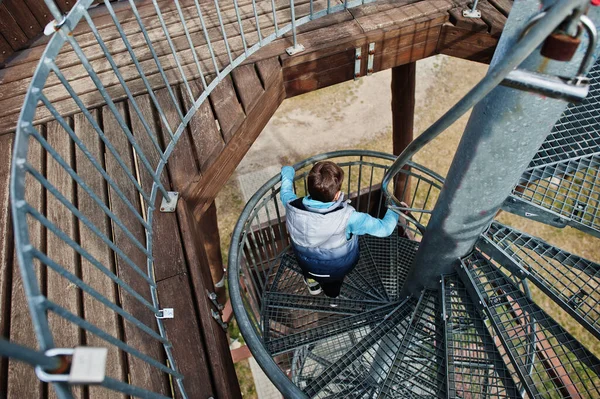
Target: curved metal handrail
column 21, row 209
column 247, row 327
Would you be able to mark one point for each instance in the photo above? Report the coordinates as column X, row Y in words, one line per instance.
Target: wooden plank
column 6, row 251
column 22, row 381
column 140, row 373
column 5, row 50
column 473, row 46
column 205, row 136
column 95, row 312
column 14, row 92
column 504, row 6
column 182, row 167
column 184, row 331
column 168, row 256
column 10, row 29
column 268, row 71
column 203, row 193
column 24, row 63
column 217, row 343
column 227, row 108
column 380, row 6
column 492, row 17
column 209, row 228
column 39, row 11
column 24, row 18
column 472, row 24
column 247, row 85
column 398, row 16
column 311, row 81
column 60, row 290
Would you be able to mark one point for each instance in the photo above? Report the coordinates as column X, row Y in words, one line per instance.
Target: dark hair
column 324, row 181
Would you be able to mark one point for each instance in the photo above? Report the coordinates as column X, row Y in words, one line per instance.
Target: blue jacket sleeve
column 287, row 185
column 363, row 223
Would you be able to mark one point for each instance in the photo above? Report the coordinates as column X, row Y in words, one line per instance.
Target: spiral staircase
column 474, row 332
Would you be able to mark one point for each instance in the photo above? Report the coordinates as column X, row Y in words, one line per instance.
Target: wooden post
column 403, row 115
column 209, row 229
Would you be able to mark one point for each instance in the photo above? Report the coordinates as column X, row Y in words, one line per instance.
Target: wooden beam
column 403, row 116
column 201, row 194
column 209, row 229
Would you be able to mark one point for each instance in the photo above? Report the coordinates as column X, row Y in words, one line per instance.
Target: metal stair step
column 474, row 366
column 571, row 281
column 323, row 329
column 562, row 367
column 366, row 355
column 562, row 184
column 418, row 364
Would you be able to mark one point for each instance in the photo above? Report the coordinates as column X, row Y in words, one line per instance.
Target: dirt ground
column 357, row 114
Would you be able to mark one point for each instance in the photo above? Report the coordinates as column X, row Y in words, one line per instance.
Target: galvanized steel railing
column 260, row 239
column 128, row 187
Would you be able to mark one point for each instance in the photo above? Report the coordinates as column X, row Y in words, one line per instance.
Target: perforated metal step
column 548, row 360
column 571, row 281
column 562, row 184
column 475, row 366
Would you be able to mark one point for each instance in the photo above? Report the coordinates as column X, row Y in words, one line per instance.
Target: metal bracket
column 298, row 48
column 472, row 12
column 217, row 316
column 169, row 205
column 357, row 62
column 521, row 207
column 166, row 313
column 370, row 59
column 87, row 366
column 213, row 298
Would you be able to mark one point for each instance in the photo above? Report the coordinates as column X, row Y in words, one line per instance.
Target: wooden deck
column 215, row 141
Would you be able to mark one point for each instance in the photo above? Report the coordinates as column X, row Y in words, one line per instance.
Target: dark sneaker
column 314, row 288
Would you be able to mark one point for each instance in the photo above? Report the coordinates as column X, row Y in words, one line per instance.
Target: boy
column 324, row 228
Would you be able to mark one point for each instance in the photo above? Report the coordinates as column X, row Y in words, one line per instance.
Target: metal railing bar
column 85, row 287
column 77, row 178
column 173, row 51
column 99, row 131
column 275, row 17
column 111, row 105
column 207, row 38
column 154, row 56
column 86, row 255
column 191, row 44
column 257, row 23
column 86, row 221
column 65, row 314
column 293, row 16
column 124, row 85
column 223, row 31
column 93, row 160
column 128, row 389
column 13, row 350
column 239, row 19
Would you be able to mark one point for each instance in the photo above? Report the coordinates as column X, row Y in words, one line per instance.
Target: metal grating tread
column 563, row 368
column 370, row 355
column 475, row 367
column 418, row 366
column 392, row 266
column 564, row 175
column 568, row 279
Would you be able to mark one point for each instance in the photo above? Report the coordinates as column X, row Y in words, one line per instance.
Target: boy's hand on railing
column 287, row 172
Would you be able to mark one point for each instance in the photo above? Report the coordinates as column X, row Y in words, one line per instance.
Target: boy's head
column 325, row 181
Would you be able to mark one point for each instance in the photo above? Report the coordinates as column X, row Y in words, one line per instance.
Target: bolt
column 358, row 57
column 370, row 70
column 357, row 75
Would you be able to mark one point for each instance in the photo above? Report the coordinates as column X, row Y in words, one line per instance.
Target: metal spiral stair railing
column 473, row 332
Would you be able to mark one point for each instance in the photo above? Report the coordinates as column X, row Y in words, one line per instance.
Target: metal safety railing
column 257, row 256
column 85, row 188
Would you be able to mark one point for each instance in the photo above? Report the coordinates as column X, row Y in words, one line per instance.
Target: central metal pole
column 503, row 134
